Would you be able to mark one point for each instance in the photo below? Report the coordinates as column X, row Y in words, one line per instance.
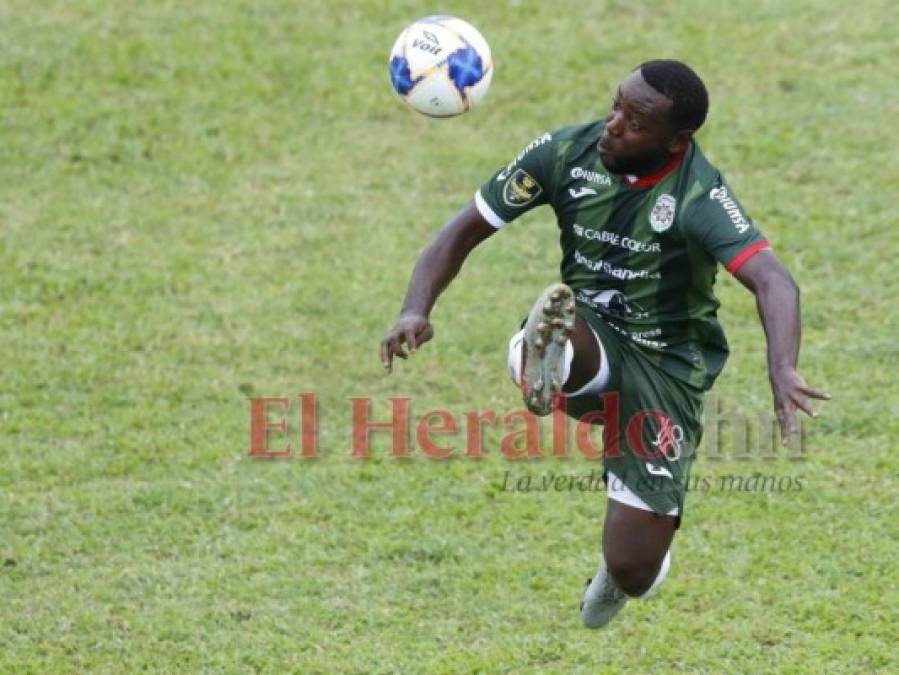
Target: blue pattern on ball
column 400, row 77
column 465, row 68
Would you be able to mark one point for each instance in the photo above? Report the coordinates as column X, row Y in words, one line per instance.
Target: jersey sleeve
column 520, row 186
column 718, row 222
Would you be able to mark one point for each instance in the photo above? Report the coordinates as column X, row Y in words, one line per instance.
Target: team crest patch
column 662, row 215
column 520, row 189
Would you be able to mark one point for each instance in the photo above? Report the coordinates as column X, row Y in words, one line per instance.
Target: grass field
column 208, row 201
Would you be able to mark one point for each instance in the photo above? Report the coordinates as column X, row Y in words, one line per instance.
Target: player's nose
column 614, row 123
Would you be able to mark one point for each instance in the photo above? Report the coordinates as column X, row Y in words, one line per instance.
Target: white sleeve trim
column 486, row 212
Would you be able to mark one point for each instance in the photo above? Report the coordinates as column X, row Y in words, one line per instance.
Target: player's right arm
column 512, row 191
column 435, row 268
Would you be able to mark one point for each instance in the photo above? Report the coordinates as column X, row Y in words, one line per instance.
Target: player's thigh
column 659, row 426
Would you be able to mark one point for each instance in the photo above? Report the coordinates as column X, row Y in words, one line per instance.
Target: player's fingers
column 788, row 424
column 411, row 340
column 397, row 346
column 422, row 336
column 803, row 404
column 814, row 393
column 394, row 348
column 386, row 356
column 399, row 351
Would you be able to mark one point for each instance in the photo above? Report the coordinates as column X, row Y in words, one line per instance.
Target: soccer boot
column 546, row 332
column 602, row 600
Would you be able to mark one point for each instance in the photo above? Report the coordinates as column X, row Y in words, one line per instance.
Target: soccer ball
column 441, row 66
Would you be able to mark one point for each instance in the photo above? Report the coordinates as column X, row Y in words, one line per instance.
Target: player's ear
column 679, row 141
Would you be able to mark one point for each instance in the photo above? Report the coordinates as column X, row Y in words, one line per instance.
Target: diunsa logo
column 719, row 194
column 591, row 176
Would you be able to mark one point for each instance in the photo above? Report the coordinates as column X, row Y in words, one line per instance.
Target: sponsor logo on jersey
column 520, row 189
column 651, row 344
column 719, row 194
column 581, row 192
column 591, row 176
column 662, row 215
column 536, row 143
column 613, row 302
column 605, row 267
column 616, row 239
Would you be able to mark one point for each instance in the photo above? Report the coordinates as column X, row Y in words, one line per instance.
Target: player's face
column 638, row 138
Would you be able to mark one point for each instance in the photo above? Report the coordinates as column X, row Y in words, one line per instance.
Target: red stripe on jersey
column 745, row 255
column 654, row 178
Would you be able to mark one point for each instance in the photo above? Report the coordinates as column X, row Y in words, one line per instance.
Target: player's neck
column 657, row 172
column 655, row 167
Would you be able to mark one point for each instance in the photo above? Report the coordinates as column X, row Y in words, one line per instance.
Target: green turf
column 206, row 201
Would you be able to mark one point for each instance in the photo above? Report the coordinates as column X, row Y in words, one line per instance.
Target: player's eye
column 635, row 125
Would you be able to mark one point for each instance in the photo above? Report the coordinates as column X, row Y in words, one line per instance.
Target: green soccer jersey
column 641, row 252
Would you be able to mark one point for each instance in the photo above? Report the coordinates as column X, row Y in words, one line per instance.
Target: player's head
column 655, row 111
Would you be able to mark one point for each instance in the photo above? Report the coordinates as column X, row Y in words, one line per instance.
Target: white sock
column 600, row 381
column 660, row 577
column 516, row 344
column 566, row 364
column 595, row 386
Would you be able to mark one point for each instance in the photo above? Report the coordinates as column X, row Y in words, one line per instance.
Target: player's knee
column 634, row 576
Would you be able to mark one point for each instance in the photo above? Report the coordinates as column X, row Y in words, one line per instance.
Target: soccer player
column 644, row 220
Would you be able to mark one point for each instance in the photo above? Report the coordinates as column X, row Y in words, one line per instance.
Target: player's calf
column 636, row 576
column 636, row 559
column 608, row 592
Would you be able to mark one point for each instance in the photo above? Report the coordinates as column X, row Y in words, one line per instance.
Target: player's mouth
column 605, row 150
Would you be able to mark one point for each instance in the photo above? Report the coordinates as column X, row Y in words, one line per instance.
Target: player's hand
column 792, row 394
column 410, row 332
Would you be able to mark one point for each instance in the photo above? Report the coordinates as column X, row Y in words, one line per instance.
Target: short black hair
column 680, row 83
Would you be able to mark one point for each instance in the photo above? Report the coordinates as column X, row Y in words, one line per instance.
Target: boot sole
column 548, row 329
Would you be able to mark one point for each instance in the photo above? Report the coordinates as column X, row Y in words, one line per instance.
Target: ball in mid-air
column 441, row 66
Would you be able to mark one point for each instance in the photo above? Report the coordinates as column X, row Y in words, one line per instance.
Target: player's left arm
column 777, row 298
